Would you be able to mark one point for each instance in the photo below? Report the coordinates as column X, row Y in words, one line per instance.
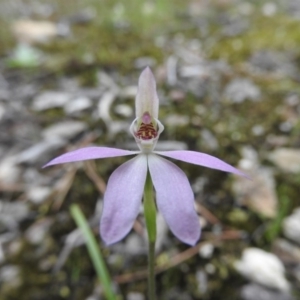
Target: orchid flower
column 123, row 196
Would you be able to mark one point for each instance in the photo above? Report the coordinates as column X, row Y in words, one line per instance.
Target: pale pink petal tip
column 203, row 159
column 122, row 199
column 175, row 199
column 88, row 153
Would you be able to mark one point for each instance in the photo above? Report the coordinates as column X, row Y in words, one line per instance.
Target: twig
column 178, row 258
column 90, row 170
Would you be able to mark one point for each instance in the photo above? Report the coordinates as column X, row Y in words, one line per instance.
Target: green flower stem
column 94, row 251
column 150, row 217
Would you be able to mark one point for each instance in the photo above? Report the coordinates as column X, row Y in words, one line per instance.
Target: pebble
column 50, row 99
column 135, row 296
column 278, row 63
column 124, row 110
column 239, row 90
column 64, row 130
column 38, row 152
column 2, row 111
column 235, row 26
column 209, row 140
column 37, row 232
column 77, row 105
column 9, row 170
column 202, row 281
column 257, row 292
column 129, row 91
column 38, row 194
column 263, row 268
column 31, row 31
column 143, row 62
column 104, row 106
column 206, row 251
column 173, row 120
column 12, row 213
column 134, row 245
column 287, row 159
column 288, row 253
column 259, row 193
column 10, row 274
column 291, row 226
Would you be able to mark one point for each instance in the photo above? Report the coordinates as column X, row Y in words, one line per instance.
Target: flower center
column 146, row 132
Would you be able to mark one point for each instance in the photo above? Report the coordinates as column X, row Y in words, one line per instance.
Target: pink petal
column 175, row 199
column 89, row 153
column 202, row 159
column 122, row 199
column 146, row 99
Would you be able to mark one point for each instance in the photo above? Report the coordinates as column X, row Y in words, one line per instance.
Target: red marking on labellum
column 146, row 132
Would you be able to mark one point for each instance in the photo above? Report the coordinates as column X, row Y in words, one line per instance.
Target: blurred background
column 228, row 77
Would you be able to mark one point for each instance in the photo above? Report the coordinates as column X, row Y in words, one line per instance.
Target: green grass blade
column 94, row 251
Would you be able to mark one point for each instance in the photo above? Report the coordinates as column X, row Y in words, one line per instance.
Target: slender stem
column 150, row 217
column 151, row 273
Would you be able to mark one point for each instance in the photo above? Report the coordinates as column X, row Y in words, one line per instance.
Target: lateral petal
column 175, row 199
column 122, row 199
column 89, row 153
column 202, row 159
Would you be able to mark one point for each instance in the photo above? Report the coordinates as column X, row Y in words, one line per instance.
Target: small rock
column 209, row 140
column 124, row 110
column 277, row 63
column 258, row 292
column 202, row 281
column 135, row 296
column 104, row 106
column 172, row 63
column 287, row 159
column 50, row 99
column 38, row 194
column 239, row 90
column 286, row 251
column 262, row 267
column 269, row 9
column 293, row 8
column 277, row 140
column 291, row 226
column 259, row 193
column 11, row 213
column 177, row 95
column 10, row 274
column 9, row 171
column 83, row 17
column 173, row 120
column 207, row 250
column 36, row 233
column 201, row 71
column 258, row 130
column 134, row 245
column 77, row 105
column 64, row 130
column 30, row 31
column 129, row 92
column 143, row 62
column 235, row 26
column 37, row 152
